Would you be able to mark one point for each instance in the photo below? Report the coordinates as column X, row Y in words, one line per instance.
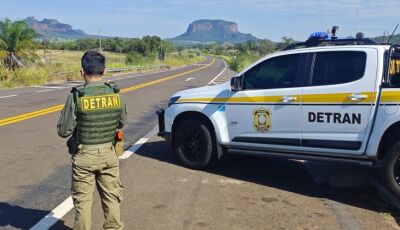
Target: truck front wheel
column 195, row 144
column 391, row 169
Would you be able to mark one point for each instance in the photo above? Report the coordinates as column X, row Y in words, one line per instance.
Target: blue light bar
column 319, row 36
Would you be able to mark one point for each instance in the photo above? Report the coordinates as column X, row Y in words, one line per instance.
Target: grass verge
column 241, row 61
column 60, row 66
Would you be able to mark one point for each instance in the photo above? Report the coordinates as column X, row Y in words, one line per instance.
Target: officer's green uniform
column 92, row 114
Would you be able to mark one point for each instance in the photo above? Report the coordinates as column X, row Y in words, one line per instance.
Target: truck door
column 266, row 112
column 338, row 103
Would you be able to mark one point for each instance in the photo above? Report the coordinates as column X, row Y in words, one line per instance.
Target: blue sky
column 169, row 18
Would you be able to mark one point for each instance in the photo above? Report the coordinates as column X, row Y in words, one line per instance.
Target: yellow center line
column 26, row 116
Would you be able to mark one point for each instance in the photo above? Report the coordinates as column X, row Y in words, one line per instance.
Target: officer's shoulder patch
column 112, row 85
column 80, row 89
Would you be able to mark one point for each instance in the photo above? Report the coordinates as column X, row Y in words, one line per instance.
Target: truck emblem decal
column 262, row 120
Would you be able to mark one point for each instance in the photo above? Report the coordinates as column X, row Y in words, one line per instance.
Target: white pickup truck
column 337, row 100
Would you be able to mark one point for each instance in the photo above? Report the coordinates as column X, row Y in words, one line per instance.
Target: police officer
column 92, row 114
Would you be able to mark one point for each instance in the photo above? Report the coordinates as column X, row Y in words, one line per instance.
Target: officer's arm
column 67, row 121
column 122, row 120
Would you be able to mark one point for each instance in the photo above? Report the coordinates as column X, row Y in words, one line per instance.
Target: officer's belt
column 106, row 146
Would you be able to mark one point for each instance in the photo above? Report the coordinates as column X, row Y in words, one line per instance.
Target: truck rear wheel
column 195, row 144
column 391, row 169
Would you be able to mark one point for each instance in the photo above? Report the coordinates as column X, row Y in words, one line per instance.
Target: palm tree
column 16, row 41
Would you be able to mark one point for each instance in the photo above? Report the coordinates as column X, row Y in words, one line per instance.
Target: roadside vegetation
column 49, row 66
column 239, row 56
column 16, row 43
column 26, row 59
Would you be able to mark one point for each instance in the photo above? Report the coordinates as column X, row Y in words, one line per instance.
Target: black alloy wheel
column 391, row 169
column 195, row 144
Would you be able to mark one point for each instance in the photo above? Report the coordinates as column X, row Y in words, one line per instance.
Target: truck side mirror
column 236, row 83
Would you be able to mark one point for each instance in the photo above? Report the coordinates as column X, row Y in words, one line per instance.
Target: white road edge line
column 8, row 96
column 47, row 87
column 72, row 84
column 131, row 150
column 55, row 215
column 67, row 85
column 67, row 205
column 150, row 73
column 46, row 90
column 215, row 78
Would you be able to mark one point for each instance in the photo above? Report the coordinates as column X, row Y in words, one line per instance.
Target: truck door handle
column 357, row 97
column 288, row 99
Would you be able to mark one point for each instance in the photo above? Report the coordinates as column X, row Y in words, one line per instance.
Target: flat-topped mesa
column 219, row 31
column 207, row 25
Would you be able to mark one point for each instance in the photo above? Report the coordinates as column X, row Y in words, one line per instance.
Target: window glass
column 394, row 72
column 278, row 72
column 338, row 67
column 394, row 66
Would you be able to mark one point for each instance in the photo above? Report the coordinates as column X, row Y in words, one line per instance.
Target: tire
column 391, row 169
column 195, row 144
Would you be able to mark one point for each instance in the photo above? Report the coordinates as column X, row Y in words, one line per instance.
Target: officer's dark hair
column 93, row 63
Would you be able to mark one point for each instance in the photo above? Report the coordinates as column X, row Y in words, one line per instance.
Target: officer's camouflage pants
column 96, row 165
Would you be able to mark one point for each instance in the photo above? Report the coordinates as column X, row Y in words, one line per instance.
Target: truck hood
column 206, row 91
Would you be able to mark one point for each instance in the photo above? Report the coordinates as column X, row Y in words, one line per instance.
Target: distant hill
column 51, row 28
column 219, row 31
column 395, row 39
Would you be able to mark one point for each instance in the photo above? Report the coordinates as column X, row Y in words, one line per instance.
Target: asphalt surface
column 242, row 192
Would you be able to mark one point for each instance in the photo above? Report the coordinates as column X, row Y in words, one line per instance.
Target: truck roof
column 323, row 40
column 335, row 47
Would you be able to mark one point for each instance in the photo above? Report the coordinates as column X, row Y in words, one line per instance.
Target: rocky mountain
column 219, row 31
column 51, row 28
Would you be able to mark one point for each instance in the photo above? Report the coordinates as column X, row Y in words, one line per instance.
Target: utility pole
column 100, row 48
column 385, row 36
column 165, row 53
column 162, row 52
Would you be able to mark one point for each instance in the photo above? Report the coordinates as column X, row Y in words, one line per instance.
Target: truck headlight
column 172, row 100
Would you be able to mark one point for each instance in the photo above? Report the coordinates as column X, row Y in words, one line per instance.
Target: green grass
column 63, row 61
column 240, row 61
column 26, row 76
column 59, row 66
column 176, row 59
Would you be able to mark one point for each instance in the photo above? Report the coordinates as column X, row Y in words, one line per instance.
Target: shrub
column 241, row 62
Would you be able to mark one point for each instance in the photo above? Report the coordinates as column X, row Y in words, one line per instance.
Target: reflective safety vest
column 99, row 110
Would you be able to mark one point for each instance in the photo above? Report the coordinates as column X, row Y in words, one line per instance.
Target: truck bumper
column 161, row 126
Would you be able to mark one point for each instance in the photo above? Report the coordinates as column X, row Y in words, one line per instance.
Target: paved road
column 242, row 193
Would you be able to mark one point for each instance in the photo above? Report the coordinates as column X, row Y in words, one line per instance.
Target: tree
column 285, row 42
column 117, row 45
column 133, row 57
column 16, row 40
column 87, row 44
column 265, row 47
